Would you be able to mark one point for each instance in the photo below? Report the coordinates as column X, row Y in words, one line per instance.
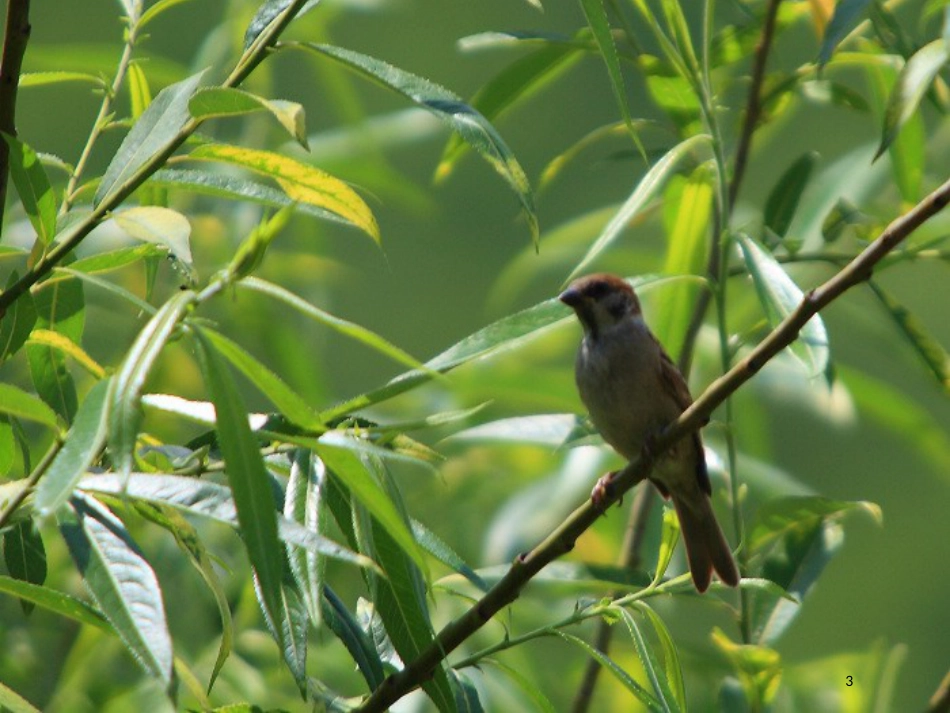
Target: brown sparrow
column 633, row 390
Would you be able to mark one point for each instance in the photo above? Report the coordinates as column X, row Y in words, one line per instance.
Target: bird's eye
column 616, row 309
column 597, row 290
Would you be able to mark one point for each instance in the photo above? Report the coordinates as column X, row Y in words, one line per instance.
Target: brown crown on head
column 594, row 288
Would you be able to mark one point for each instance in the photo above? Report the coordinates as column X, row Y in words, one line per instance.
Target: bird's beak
column 571, row 297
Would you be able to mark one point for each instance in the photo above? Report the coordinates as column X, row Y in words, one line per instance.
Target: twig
column 754, row 104
column 30, row 483
column 16, row 36
column 562, row 539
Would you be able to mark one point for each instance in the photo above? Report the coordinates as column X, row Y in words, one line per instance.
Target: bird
column 632, row 390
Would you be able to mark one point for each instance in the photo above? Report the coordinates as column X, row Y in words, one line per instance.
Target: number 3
column 850, row 681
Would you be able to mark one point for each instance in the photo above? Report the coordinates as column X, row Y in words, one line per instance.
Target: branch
column 16, row 35
column 754, row 105
column 940, row 701
column 562, row 539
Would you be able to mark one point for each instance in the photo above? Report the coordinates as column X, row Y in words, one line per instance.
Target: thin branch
column 940, row 701
column 16, row 36
column 754, row 104
column 563, row 538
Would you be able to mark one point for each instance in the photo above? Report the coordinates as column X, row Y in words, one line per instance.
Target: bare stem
column 15, row 38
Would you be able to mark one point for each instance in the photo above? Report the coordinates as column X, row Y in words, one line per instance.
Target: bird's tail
column 706, row 546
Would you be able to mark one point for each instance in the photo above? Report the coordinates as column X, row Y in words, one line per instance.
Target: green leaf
column 469, row 123
column 267, row 13
column 125, row 411
column 780, row 296
column 32, row 184
column 210, row 500
column 13, row 702
column 40, row 79
column 303, row 504
column 783, row 199
column 250, row 253
column 60, row 307
column 649, row 661
column 356, row 641
column 250, row 483
column 301, row 182
column 16, row 324
column 341, row 456
column 288, row 402
column 157, row 9
column 559, row 162
column 778, row 517
column 600, row 27
column 155, row 132
column 20, row 404
column 847, row 13
column 549, row 429
column 219, row 102
column 930, row 351
column 234, row 188
column 186, row 536
column 671, row 664
column 669, row 535
column 514, row 84
column 436, row 547
column 116, row 259
column 161, row 226
column 25, row 556
column 687, row 208
column 121, row 582
column 914, row 80
column 527, row 685
column 648, row 187
column 56, row 602
column 84, row 443
column 347, row 329
column 638, row 691
column 759, row 669
column 290, row 631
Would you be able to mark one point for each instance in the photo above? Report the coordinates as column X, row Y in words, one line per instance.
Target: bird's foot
column 603, row 489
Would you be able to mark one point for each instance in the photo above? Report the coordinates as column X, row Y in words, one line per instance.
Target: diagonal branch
column 562, row 539
column 16, row 35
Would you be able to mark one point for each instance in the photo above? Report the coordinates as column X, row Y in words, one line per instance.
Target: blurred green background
column 445, row 270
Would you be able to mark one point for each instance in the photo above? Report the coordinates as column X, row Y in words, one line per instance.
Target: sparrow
column 632, row 390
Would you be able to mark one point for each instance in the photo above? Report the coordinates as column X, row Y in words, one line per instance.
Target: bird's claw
column 603, row 489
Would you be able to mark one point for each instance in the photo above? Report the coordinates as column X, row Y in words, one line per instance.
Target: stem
column 754, row 104
column 16, row 36
column 30, row 483
column 251, row 58
column 100, row 123
column 562, row 539
column 940, row 701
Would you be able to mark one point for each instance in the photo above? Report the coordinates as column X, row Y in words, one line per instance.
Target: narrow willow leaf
column 157, row 9
column 549, row 429
column 125, row 413
column 55, row 602
column 302, row 504
column 783, row 199
column 20, row 404
column 16, row 324
column 121, row 582
column 25, row 556
column 527, row 685
column 669, row 536
column 140, row 94
column 559, row 162
column 687, row 209
column 780, row 296
column 196, row 497
column 639, row 692
column 250, row 253
column 759, row 668
column 267, row 13
column 514, row 84
column 778, row 517
column 111, row 287
column 647, row 189
column 912, row 83
column 930, row 351
column 60, row 307
column 13, row 702
column 40, row 79
column 32, row 184
column 234, row 188
column 469, row 123
column 671, row 664
column 288, row 402
column 250, row 484
column 436, row 547
column 8, row 445
column 466, row 693
column 84, row 443
column 347, row 329
column 301, row 182
column 161, row 226
column 847, row 13
column 651, row 664
column 219, row 102
column 357, row 643
column 345, row 463
column 153, row 133
column 194, row 549
column 116, row 259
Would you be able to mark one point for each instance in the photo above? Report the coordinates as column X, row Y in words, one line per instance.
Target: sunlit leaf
column 40, row 79
column 652, row 665
column 219, row 102
column 759, row 668
column 17, row 402
column 267, row 13
column 161, row 226
column 56, row 602
column 120, row 580
column 152, row 134
column 32, row 184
